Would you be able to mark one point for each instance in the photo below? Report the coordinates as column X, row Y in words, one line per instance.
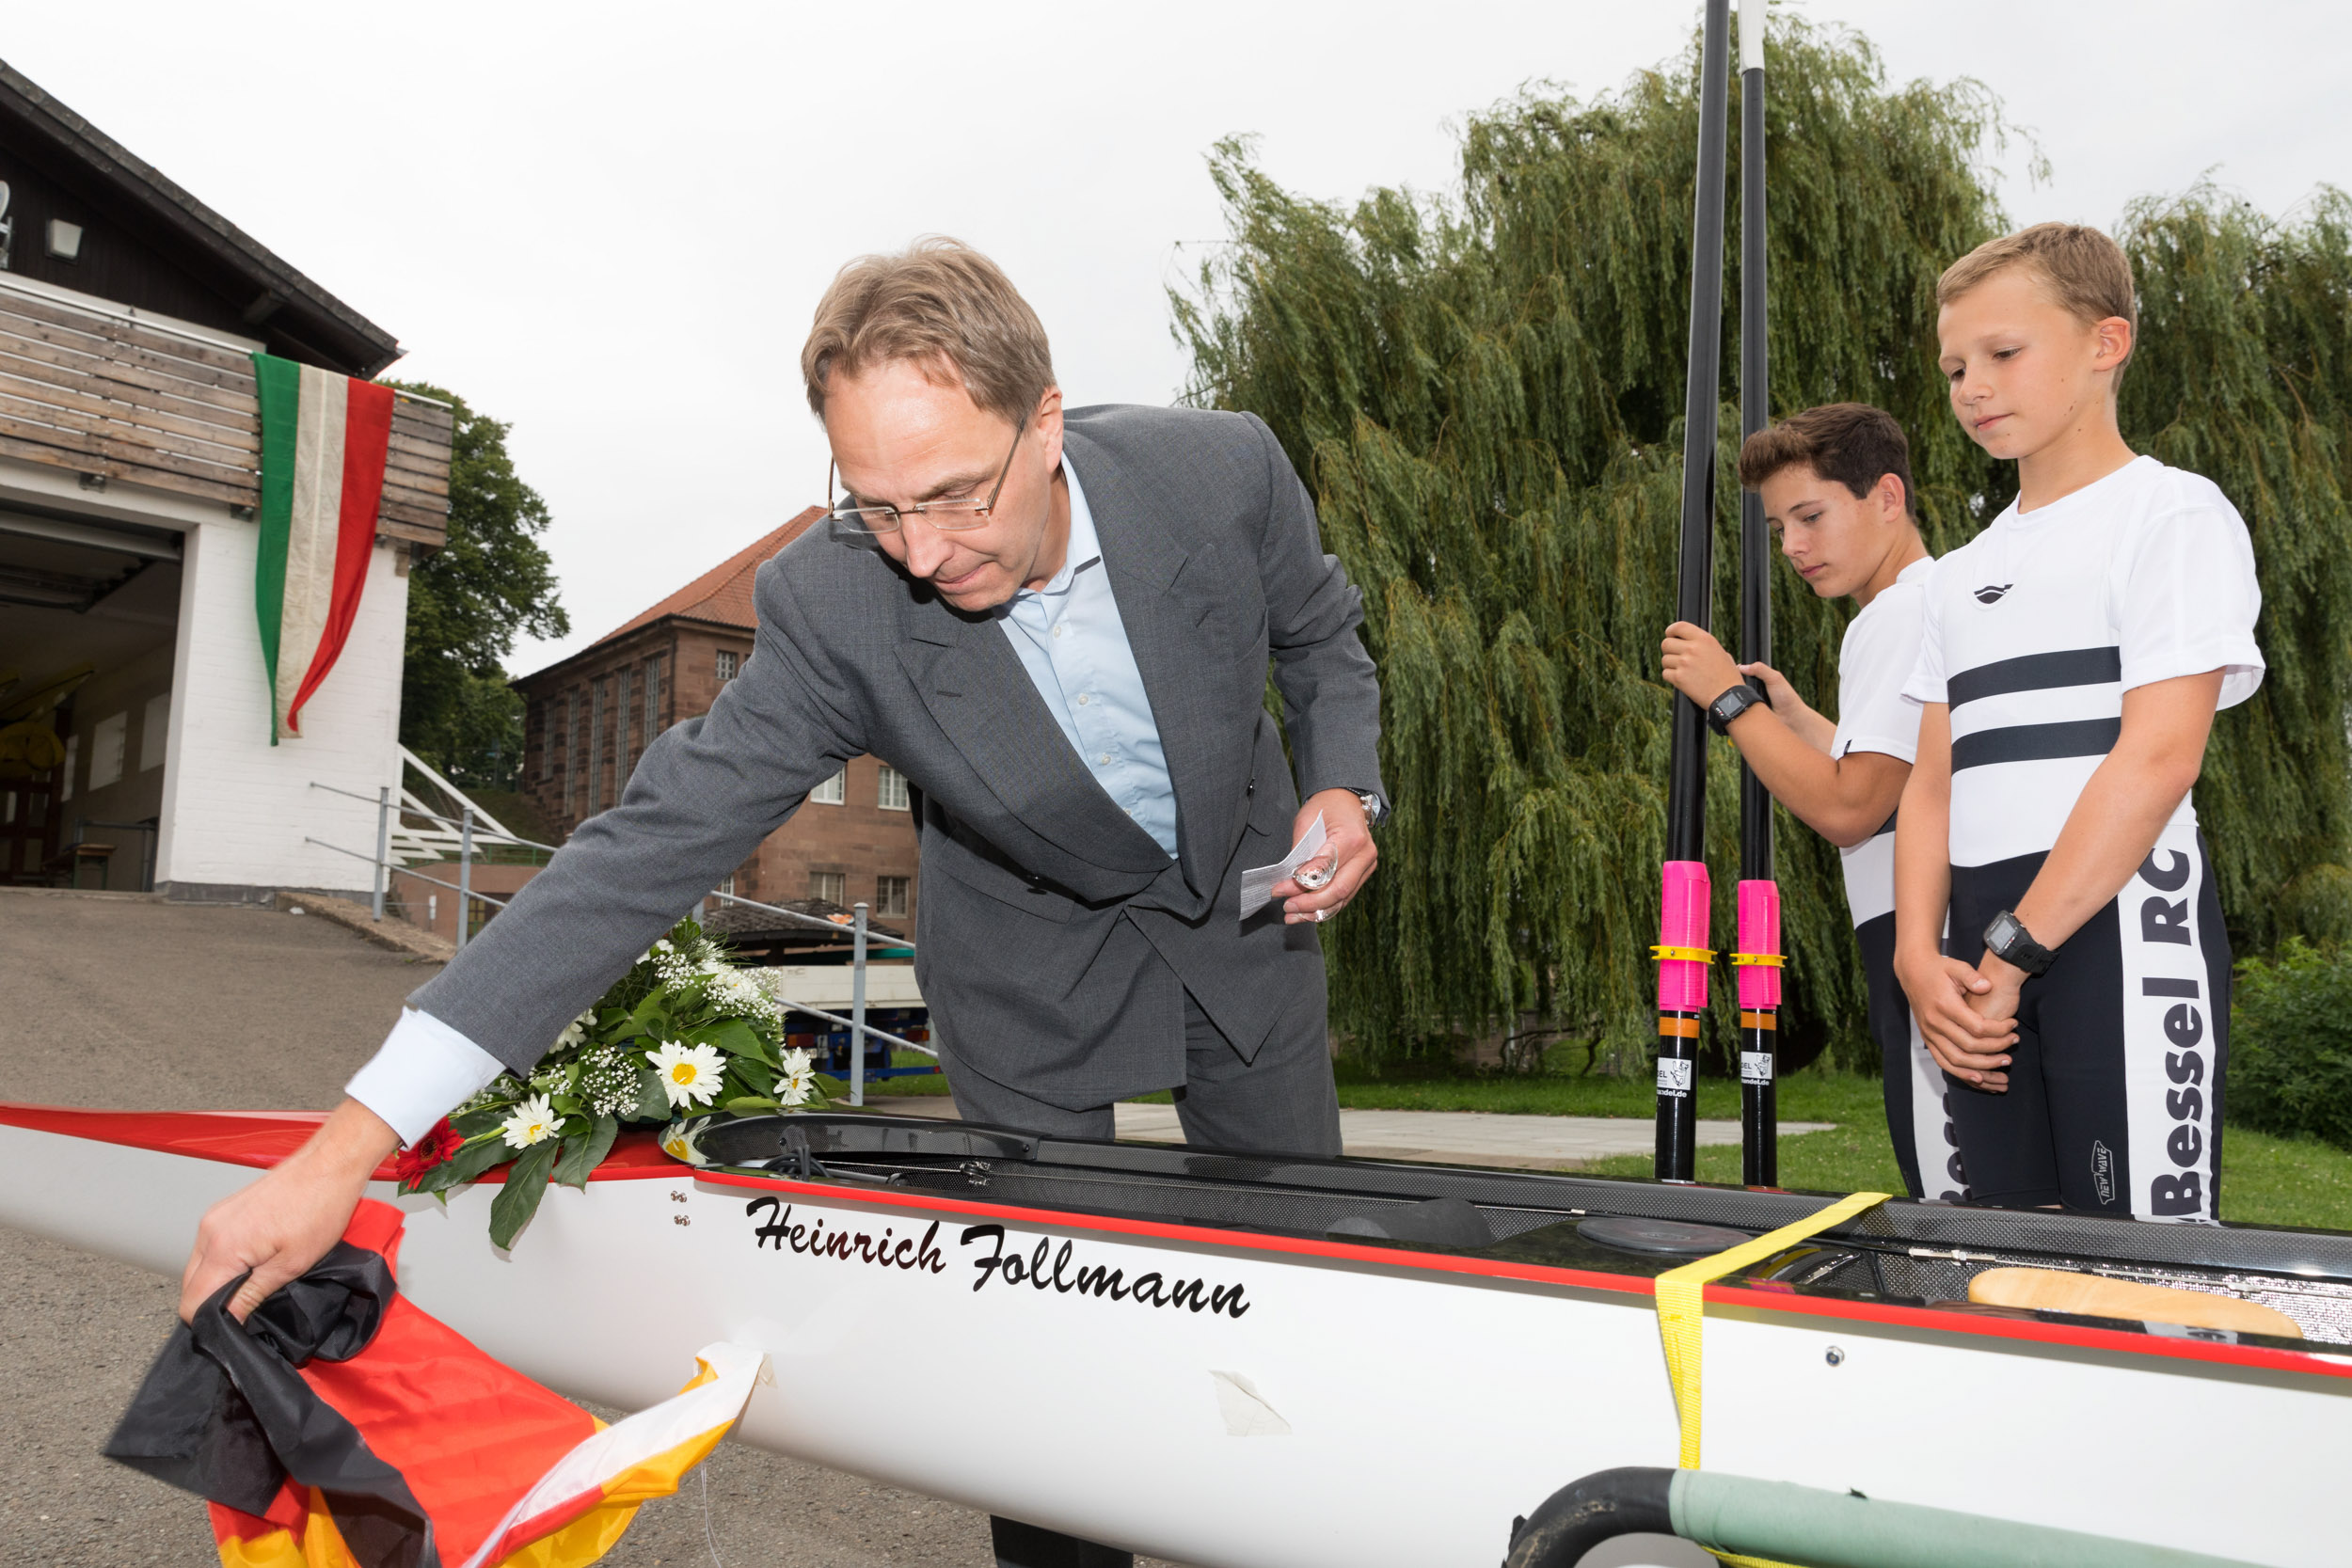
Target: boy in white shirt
column 1836, row 482
column 2074, row 656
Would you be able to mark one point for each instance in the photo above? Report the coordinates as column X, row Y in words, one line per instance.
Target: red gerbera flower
column 428, row 1152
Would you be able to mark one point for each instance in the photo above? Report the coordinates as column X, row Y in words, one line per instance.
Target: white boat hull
column 1403, row 1415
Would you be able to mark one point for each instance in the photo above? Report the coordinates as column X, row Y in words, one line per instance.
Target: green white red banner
column 324, row 441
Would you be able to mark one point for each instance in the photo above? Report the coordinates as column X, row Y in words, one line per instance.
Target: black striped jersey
column 1880, row 648
column 2036, row 629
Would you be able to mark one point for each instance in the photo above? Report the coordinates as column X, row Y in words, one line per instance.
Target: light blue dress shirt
column 1075, row 647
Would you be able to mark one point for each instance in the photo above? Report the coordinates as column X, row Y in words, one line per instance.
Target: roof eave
column 176, row 207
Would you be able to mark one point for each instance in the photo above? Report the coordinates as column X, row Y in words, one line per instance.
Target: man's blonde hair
column 2085, row 272
column 942, row 305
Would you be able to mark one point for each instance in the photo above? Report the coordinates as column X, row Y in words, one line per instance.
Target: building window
column 890, row 895
column 653, row 698
column 620, row 733
column 728, row 886
column 833, row 791
column 727, row 665
column 73, row 747
column 571, row 748
column 543, row 724
column 826, row 885
column 154, row 731
column 596, row 747
column 892, row 795
column 106, row 745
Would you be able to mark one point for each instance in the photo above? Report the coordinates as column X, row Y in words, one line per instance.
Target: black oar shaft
column 1682, row 997
column 1760, row 1128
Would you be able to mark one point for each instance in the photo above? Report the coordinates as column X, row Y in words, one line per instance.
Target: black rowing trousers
column 2114, row 1103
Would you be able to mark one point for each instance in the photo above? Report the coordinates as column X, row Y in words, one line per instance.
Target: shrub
column 2290, row 1068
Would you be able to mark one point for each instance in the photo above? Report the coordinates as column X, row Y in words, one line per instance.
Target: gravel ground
column 157, row 1006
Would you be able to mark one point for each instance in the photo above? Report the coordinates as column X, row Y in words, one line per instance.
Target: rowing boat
column 1359, row 1362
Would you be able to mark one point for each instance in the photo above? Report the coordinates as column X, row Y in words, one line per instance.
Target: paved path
column 1443, row 1137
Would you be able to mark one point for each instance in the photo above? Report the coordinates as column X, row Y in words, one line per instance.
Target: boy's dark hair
column 1849, row 442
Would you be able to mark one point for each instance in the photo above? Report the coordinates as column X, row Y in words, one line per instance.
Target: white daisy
column 797, row 1080
column 690, row 1074
column 533, row 1121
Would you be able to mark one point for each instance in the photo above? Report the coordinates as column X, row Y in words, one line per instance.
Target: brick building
column 592, row 716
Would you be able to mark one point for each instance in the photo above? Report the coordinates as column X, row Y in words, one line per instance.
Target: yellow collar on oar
column 1682, row 1312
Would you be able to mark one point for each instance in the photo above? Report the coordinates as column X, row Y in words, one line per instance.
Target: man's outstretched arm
column 705, row 795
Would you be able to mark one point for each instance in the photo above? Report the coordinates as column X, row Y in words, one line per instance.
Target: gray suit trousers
column 1283, row 1101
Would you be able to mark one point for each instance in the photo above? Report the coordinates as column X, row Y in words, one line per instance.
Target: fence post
column 383, row 845
column 857, row 1008
column 465, row 870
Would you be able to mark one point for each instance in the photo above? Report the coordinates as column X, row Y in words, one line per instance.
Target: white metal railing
column 474, row 826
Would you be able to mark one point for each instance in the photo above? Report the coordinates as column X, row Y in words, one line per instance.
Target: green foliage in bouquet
column 684, row 1033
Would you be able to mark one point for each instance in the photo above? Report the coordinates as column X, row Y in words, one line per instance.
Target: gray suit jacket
column 1055, row 935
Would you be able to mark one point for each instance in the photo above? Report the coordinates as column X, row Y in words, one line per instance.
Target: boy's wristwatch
column 2008, row 940
column 1730, row 705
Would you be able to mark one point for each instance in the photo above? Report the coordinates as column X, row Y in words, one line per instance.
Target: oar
column 1682, row 952
column 1758, row 958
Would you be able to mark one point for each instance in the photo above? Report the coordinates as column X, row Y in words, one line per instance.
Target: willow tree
column 1485, row 390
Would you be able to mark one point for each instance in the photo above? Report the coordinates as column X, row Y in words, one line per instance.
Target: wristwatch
column 2008, row 940
column 1730, row 705
column 1375, row 807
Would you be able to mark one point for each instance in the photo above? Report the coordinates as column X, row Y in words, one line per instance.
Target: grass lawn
column 2264, row 1179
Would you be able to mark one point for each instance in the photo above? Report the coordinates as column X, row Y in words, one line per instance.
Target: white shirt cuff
column 423, row 1071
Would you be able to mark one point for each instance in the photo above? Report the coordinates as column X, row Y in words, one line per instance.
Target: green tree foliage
column 468, row 602
column 2291, row 1045
column 2243, row 374
column 1485, row 390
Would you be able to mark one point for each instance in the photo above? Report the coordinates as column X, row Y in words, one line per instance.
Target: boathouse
column 144, row 742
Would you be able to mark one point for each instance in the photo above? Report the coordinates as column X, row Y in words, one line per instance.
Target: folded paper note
column 1256, row 883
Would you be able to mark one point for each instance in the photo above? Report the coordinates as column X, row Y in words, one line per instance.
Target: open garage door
column 88, row 614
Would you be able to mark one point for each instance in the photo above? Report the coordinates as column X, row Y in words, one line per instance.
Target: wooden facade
column 110, row 394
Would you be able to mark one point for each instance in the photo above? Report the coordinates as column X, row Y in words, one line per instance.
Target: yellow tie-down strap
column 1682, row 1313
column 1683, row 955
column 1759, row 961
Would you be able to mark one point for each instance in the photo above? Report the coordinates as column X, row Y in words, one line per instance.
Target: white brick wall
column 236, row 809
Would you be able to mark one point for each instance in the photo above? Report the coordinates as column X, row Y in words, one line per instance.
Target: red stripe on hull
column 262, row 1138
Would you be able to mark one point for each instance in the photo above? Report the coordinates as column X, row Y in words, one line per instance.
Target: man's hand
column 1955, row 1005
column 286, row 1220
column 1347, row 844
column 1697, row 665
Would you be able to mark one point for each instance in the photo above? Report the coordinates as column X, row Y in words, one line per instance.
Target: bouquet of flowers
column 683, row 1034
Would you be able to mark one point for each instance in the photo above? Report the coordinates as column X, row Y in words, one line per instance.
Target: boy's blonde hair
column 941, row 304
column 2086, row 273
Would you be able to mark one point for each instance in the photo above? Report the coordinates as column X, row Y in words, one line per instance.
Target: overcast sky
column 609, row 225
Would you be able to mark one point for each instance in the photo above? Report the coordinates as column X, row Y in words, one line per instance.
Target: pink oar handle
column 1759, row 933
column 1682, row 923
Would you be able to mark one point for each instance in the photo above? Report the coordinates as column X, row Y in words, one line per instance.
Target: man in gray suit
column 1059, row 628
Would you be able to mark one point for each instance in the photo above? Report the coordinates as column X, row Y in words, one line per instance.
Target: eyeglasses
column 945, row 516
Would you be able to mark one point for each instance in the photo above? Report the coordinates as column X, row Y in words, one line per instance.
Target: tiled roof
column 723, row 594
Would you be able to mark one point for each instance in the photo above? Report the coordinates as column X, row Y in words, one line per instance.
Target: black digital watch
column 2008, row 940
column 1730, row 705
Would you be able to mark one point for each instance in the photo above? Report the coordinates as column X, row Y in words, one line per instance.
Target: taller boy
column 2072, row 661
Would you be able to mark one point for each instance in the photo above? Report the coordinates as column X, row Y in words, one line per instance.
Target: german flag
column 343, row 1427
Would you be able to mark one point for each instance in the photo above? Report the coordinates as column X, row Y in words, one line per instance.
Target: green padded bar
column 1804, row 1524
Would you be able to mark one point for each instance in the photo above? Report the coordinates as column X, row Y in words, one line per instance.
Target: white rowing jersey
column 1881, row 647
column 2036, row 628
